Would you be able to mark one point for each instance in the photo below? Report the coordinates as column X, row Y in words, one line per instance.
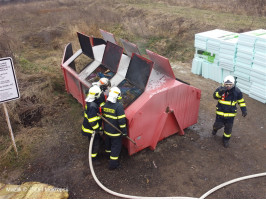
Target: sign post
column 8, row 90
column 10, row 129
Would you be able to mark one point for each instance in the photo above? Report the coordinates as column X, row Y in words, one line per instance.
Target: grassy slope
column 176, row 24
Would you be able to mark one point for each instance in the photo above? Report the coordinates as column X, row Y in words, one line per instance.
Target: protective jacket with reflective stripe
column 114, row 113
column 91, row 120
column 227, row 101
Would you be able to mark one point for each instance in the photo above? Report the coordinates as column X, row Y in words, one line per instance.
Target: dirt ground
column 188, row 165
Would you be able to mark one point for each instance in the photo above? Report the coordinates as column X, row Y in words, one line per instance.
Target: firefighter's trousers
column 227, row 123
column 113, row 146
column 95, row 145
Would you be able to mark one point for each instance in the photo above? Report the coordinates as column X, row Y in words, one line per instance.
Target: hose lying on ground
column 115, row 193
column 230, row 182
column 140, row 197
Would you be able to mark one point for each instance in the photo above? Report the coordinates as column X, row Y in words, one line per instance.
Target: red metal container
column 156, row 104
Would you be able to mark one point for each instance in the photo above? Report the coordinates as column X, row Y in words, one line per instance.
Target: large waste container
column 156, row 103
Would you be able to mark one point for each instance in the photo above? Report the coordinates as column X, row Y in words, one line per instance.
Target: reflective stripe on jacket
column 91, row 120
column 227, row 101
column 115, row 114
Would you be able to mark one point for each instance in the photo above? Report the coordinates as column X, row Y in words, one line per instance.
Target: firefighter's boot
column 113, row 164
column 96, row 161
column 214, row 132
column 226, row 143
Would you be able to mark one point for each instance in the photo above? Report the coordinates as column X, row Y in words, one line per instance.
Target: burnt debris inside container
column 129, row 92
column 100, row 72
column 136, row 79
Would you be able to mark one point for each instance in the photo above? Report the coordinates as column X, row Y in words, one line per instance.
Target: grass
column 229, row 21
column 177, row 41
column 58, row 86
column 81, row 62
column 148, row 43
column 119, row 31
column 27, row 66
column 75, row 110
column 4, row 141
column 11, row 161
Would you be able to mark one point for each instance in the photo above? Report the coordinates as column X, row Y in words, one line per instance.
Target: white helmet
column 103, row 83
column 114, row 94
column 94, row 93
column 229, row 82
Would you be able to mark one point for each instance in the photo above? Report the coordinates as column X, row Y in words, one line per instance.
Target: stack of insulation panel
column 250, row 58
column 228, row 50
column 258, row 71
column 244, row 58
column 221, row 53
column 212, row 47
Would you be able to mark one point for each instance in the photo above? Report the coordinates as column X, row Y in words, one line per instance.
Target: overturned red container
column 156, row 103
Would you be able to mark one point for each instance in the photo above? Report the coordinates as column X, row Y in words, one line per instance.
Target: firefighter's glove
column 124, row 135
column 244, row 113
column 222, row 90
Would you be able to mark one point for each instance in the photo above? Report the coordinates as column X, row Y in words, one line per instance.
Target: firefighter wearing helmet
column 114, row 112
column 228, row 95
column 92, row 122
column 104, row 84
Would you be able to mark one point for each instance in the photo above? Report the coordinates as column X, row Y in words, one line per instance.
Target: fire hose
column 141, row 197
column 110, row 191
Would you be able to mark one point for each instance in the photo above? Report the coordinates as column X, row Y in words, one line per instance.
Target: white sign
column 8, row 82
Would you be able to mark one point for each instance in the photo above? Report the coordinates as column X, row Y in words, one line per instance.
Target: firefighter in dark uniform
column 228, row 96
column 114, row 112
column 92, row 122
